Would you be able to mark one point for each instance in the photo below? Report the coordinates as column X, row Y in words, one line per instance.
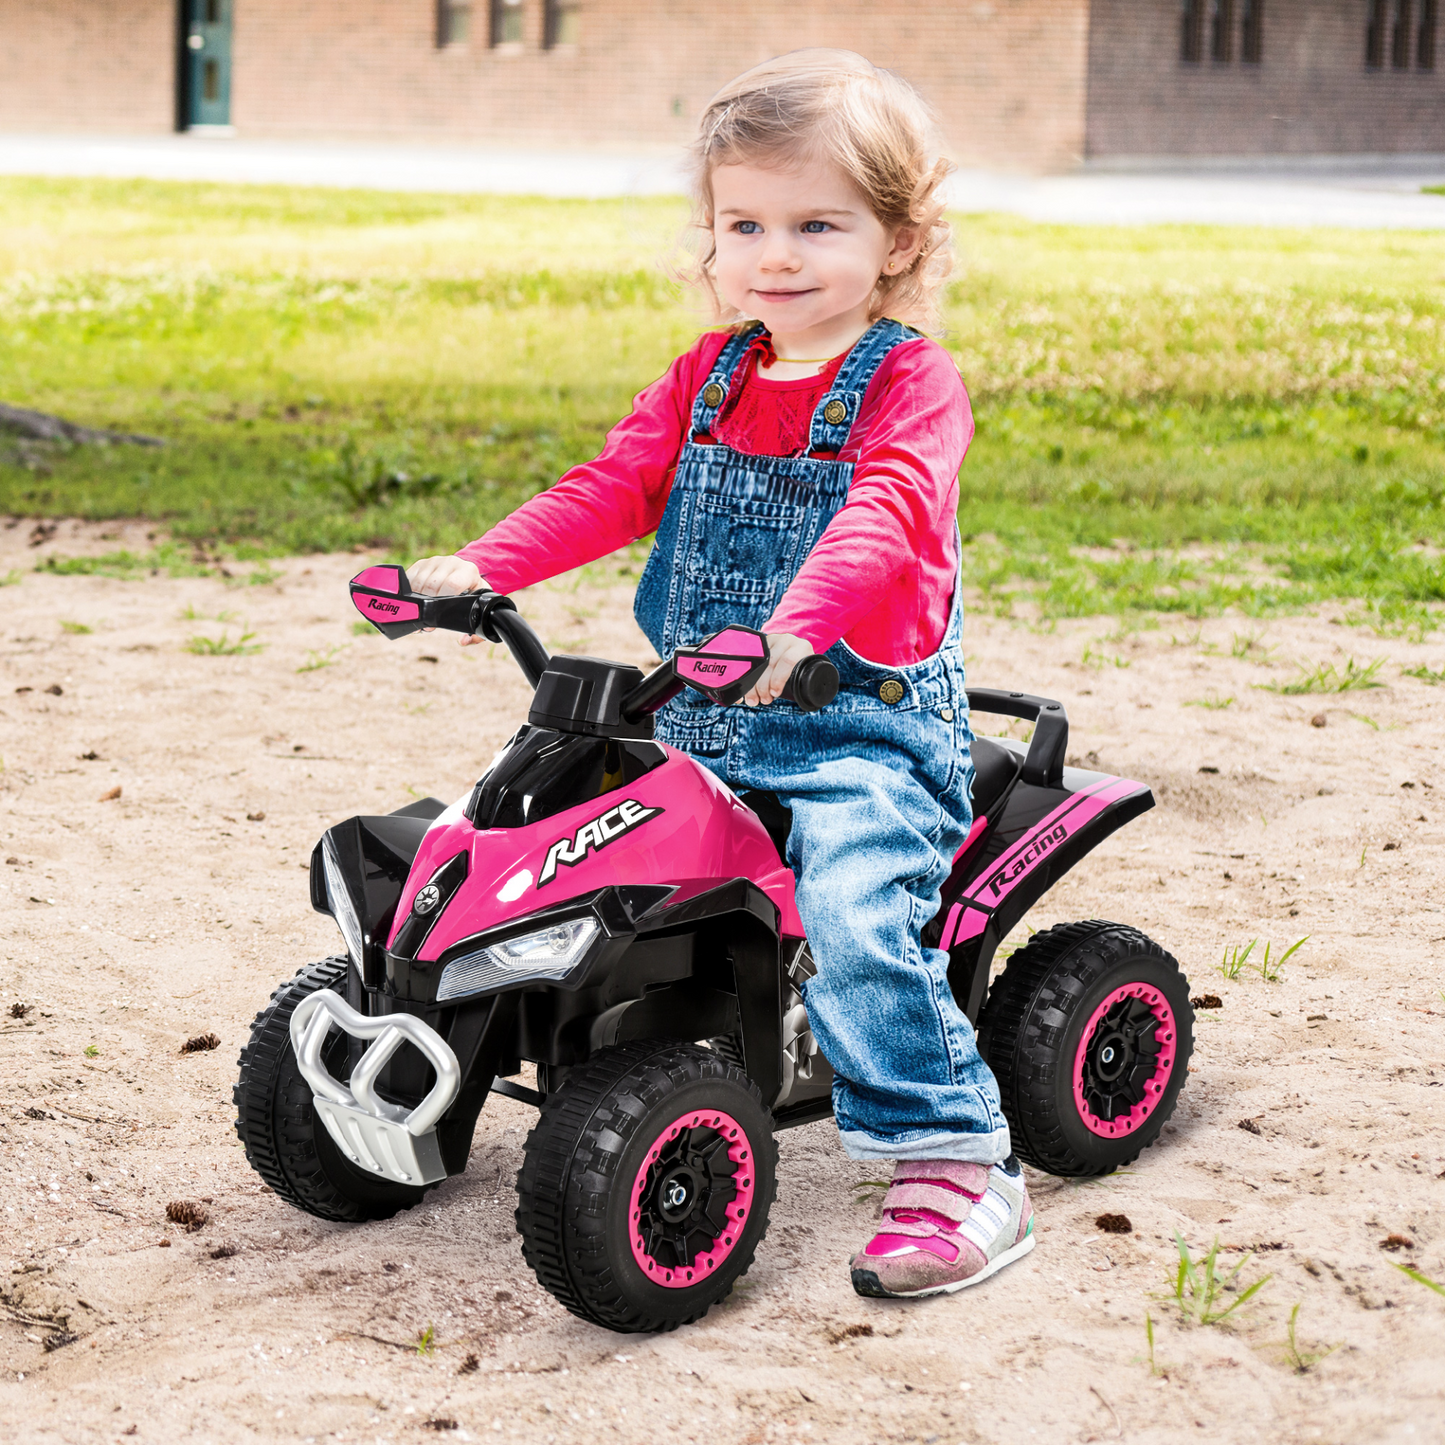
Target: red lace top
column 771, row 418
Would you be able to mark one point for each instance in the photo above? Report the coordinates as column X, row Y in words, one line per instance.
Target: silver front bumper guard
column 396, row 1143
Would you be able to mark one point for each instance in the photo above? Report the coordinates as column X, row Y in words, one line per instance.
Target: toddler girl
column 800, row 470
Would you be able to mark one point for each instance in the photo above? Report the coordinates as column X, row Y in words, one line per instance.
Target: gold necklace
column 803, row 360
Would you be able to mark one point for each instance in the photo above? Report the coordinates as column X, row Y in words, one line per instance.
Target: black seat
column 995, row 767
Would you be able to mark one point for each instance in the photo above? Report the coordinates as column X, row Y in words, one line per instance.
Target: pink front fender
column 676, row 822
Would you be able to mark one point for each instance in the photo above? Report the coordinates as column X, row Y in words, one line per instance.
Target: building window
column 562, row 23
column 1191, row 31
column 1425, row 41
column 454, row 21
column 506, row 22
column 1251, row 33
column 1400, row 35
column 1375, row 35
column 1221, row 31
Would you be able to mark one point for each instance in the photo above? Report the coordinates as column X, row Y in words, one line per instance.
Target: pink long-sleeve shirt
column 880, row 577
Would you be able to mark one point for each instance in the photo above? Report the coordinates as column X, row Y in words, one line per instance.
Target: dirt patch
column 169, row 912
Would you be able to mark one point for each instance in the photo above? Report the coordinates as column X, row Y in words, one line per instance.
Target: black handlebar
column 660, row 686
column 384, row 596
column 812, row 684
column 489, row 615
column 499, row 621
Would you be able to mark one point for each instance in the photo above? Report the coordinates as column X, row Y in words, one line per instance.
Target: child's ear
column 906, row 241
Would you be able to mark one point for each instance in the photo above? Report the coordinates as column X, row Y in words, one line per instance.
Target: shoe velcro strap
column 911, row 1224
column 952, row 1173
column 926, row 1194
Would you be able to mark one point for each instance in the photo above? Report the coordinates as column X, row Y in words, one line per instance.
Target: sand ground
column 134, row 923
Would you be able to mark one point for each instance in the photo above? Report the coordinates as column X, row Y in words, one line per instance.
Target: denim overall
column 878, row 781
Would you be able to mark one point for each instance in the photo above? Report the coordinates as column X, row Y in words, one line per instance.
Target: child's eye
column 748, row 228
column 814, row 228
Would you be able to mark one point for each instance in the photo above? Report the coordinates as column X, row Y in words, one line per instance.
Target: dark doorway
column 206, row 62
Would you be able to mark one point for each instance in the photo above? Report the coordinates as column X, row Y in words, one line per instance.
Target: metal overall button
column 890, row 690
column 946, row 713
column 834, row 413
column 713, row 394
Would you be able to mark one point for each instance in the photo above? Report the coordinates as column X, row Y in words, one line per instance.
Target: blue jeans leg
column 871, row 849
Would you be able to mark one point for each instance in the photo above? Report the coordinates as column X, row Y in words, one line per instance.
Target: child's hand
column 786, row 652
column 445, row 577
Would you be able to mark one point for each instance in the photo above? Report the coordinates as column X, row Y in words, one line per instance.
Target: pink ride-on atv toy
column 602, row 906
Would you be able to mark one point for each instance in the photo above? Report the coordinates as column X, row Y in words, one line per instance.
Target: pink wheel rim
column 705, row 1263
column 1166, row 1036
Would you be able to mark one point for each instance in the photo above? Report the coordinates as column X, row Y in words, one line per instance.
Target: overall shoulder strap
column 838, row 407
column 719, row 384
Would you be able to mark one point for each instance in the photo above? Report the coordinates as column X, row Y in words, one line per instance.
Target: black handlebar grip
column 812, row 684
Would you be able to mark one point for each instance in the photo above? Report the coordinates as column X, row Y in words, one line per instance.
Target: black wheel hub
column 1120, row 1058
column 685, row 1198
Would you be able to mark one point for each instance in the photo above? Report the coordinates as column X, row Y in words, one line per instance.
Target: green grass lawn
column 1169, row 418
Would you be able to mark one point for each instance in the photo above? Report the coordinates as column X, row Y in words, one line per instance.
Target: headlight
column 343, row 910
column 551, row 952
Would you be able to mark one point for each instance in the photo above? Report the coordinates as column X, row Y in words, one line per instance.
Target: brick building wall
column 1311, row 92
column 1007, row 77
column 1030, row 83
column 88, row 65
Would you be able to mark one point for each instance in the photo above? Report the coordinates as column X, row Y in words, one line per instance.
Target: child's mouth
column 776, row 297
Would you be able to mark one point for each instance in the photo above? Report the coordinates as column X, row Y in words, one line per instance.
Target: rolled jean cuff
column 991, row 1148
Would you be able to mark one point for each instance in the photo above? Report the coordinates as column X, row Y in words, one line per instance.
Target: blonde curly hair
column 835, row 106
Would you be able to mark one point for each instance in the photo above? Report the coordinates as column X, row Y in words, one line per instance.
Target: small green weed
column 11, row 578
column 91, row 1051
column 1270, row 971
column 223, row 646
column 263, row 575
column 1246, row 645
column 1419, row 1278
column 191, row 613
column 1214, row 702
column 426, row 1341
column 1231, row 965
column 76, row 629
column 316, row 660
column 361, row 628
column 1100, row 660
column 1302, row 1361
column 1155, row 1368
column 865, row 1191
column 1425, row 674
column 1326, row 677
column 1198, row 1287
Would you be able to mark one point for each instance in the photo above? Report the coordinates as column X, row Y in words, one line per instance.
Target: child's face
column 800, row 249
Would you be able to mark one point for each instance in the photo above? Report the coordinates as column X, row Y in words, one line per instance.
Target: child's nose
column 779, row 254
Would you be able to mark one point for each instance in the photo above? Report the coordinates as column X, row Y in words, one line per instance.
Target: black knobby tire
column 1031, row 1036
column 592, row 1142
column 285, row 1142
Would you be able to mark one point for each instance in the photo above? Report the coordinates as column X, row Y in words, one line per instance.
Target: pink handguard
column 725, row 666
column 384, row 597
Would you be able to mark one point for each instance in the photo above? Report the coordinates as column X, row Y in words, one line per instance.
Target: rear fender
column 1039, row 834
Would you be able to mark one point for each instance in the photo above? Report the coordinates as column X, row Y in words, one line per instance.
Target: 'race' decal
column 594, row 836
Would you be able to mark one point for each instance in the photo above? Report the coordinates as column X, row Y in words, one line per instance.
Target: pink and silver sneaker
column 946, row 1225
